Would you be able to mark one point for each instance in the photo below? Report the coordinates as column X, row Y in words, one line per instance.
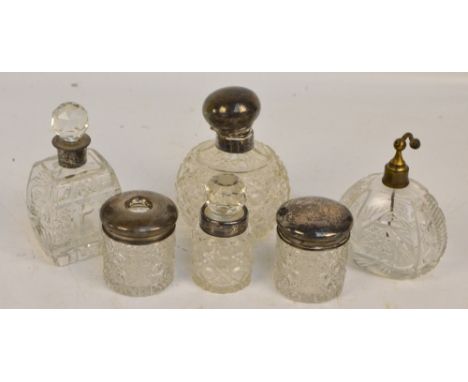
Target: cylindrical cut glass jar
column 222, row 261
column 311, row 252
column 222, row 246
column 139, row 242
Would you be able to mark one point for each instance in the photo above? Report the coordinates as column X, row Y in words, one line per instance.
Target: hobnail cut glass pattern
column 64, row 203
column 264, row 175
column 139, row 270
column 397, row 233
column 309, row 276
column 221, row 265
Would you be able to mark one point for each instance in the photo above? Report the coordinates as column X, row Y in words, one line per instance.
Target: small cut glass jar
column 139, row 242
column 311, row 252
column 222, row 245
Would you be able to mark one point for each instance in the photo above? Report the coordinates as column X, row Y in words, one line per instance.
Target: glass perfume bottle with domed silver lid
column 231, row 112
column 65, row 191
column 399, row 230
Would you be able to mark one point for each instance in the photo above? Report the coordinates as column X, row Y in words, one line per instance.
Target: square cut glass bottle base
column 64, row 204
column 62, row 256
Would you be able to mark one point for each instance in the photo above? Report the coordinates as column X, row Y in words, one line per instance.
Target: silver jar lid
column 314, row 223
column 138, row 217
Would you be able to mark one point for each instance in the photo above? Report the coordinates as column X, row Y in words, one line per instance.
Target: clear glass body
column 225, row 198
column 397, row 233
column 221, row 265
column 139, row 270
column 265, row 178
column 309, row 276
column 64, row 203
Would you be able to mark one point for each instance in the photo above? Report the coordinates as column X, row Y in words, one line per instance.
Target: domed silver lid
column 231, row 112
column 138, row 217
column 314, row 223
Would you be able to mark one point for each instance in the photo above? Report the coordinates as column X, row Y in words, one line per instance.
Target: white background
column 329, row 129
column 241, row 35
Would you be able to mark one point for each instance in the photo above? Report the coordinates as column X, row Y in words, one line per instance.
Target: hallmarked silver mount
column 223, row 228
column 72, row 154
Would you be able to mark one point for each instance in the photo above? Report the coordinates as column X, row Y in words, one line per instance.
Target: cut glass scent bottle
column 222, row 248
column 231, row 112
column 399, row 230
column 66, row 191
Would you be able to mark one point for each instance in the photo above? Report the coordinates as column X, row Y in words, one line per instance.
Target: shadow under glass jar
column 311, row 252
column 139, row 242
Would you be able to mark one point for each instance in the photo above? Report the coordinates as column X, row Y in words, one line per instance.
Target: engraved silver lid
column 314, row 223
column 224, row 214
column 231, row 112
column 138, row 217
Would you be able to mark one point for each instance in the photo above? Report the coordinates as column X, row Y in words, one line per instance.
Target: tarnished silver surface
column 138, row 217
column 314, row 223
column 222, row 228
column 71, row 154
column 235, row 144
column 231, row 112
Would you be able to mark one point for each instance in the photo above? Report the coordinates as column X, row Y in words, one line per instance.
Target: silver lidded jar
column 221, row 242
column 311, row 252
column 139, row 242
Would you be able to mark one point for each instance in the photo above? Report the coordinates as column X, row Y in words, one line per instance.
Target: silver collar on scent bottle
column 235, row 145
column 231, row 112
column 314, row 223
column 138, row 217
column 71, row 154
column 223, row 228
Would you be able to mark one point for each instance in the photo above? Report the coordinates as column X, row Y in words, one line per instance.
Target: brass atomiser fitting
column 396, row 171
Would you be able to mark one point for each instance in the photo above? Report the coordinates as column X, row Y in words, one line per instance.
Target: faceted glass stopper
column 225, row 194
column 69, row 121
